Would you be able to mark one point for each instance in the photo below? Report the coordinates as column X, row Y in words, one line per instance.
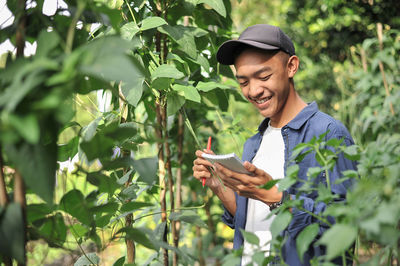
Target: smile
column 263, row 100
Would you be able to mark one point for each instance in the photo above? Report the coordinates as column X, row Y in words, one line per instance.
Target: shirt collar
column 296, row 122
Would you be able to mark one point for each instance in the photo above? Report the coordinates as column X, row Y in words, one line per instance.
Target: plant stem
column 328, row 182
column 71, row 30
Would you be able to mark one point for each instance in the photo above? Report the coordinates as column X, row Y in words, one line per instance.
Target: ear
column 292, row 66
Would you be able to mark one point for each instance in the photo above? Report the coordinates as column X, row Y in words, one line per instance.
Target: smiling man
column 265, row 62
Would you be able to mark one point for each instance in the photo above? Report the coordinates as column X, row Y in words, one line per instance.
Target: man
column 265, row 62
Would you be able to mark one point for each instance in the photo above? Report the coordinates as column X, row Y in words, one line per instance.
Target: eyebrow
column 258, row 72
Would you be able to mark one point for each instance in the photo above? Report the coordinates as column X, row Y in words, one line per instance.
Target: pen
column 208, row 148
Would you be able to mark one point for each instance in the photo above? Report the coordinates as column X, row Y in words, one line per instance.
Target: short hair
column 241, row 48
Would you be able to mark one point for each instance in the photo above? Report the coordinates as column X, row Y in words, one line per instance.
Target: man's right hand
column 201, row 170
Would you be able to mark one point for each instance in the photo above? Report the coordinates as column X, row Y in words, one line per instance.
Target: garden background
column 100, row 121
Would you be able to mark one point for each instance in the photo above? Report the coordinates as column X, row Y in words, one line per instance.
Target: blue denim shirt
column 309, row 123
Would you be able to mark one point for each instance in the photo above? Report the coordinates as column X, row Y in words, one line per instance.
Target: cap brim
column 226, row 52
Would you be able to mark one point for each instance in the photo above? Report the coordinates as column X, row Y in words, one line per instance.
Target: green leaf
column 174, row 103
column 37, row 211
column 98, row 147
column 189, row 92
column 128, row 30
column 109, row 207
column 75, row 204
column 88, row 259
column 68, row 150
column 270, row 184
column 106, row 184
column 147, row 169
column 250, row 237
column 138, row 235
column 27, row 126
column 217, row 5
column 120, row 261
column 183, row 36
column 305, row 238
column 334, row 142
column 37, row 165
column 166, row 71
column 54, row 229
column 46, row 42
column 208, row 86
column 133, row 91
column 280, row 222
column 313, row 172
column 11, row 232
column 78, row 230
column 189, row 217
column 352, row 153
column 338, row 239
column 152, row 22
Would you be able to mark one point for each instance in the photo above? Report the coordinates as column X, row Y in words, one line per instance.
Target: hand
column 201, row 170
column 247, row 185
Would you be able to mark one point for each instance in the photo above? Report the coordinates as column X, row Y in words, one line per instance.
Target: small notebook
column 230, row 161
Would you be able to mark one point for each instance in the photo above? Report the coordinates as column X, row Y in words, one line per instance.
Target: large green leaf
column 189, row 92
column 147, row 169
column 217, row 5
column 188, row 217
column 27, row 126
column 183, row 36
column 152, row 22
column 37, row 211
column 46, row 42
column 129, row 30
column 75, row 204
column 54, row 229
column 305, row 238
column 166, row 71
column 250, row 237
column 12, row 232
column 338, row 239
column 138, row 235
column 211, row 85
column 174, row 103
column 133, row 91
column 98, row 147
column 37, row 165
column 280, row 222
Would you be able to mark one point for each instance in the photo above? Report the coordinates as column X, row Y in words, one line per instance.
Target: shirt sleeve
column 305, row 217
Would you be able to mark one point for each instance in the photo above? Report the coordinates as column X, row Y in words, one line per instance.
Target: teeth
column 263, row 100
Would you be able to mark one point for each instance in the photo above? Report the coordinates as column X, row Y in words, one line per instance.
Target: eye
column 264, row 78
column 243, row 83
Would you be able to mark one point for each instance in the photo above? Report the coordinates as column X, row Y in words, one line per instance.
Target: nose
column 255, row 89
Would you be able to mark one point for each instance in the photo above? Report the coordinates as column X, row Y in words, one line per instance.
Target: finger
column 201, row 161
column 201, row 174
column 228, row 176
column 257, row 171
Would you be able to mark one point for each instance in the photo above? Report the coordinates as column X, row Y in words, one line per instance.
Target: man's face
column 264, row 80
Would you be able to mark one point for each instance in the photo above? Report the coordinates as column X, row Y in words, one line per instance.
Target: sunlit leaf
column 152, row 22
column 217, row 5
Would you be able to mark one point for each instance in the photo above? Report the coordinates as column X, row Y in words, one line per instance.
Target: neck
column 293, row 105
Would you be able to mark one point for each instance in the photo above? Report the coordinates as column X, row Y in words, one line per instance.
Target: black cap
column 262, row 36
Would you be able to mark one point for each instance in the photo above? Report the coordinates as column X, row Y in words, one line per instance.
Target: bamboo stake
column 381, row 67
column 130, row 244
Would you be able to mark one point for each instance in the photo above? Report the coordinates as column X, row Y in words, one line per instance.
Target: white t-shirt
column 270, row 158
